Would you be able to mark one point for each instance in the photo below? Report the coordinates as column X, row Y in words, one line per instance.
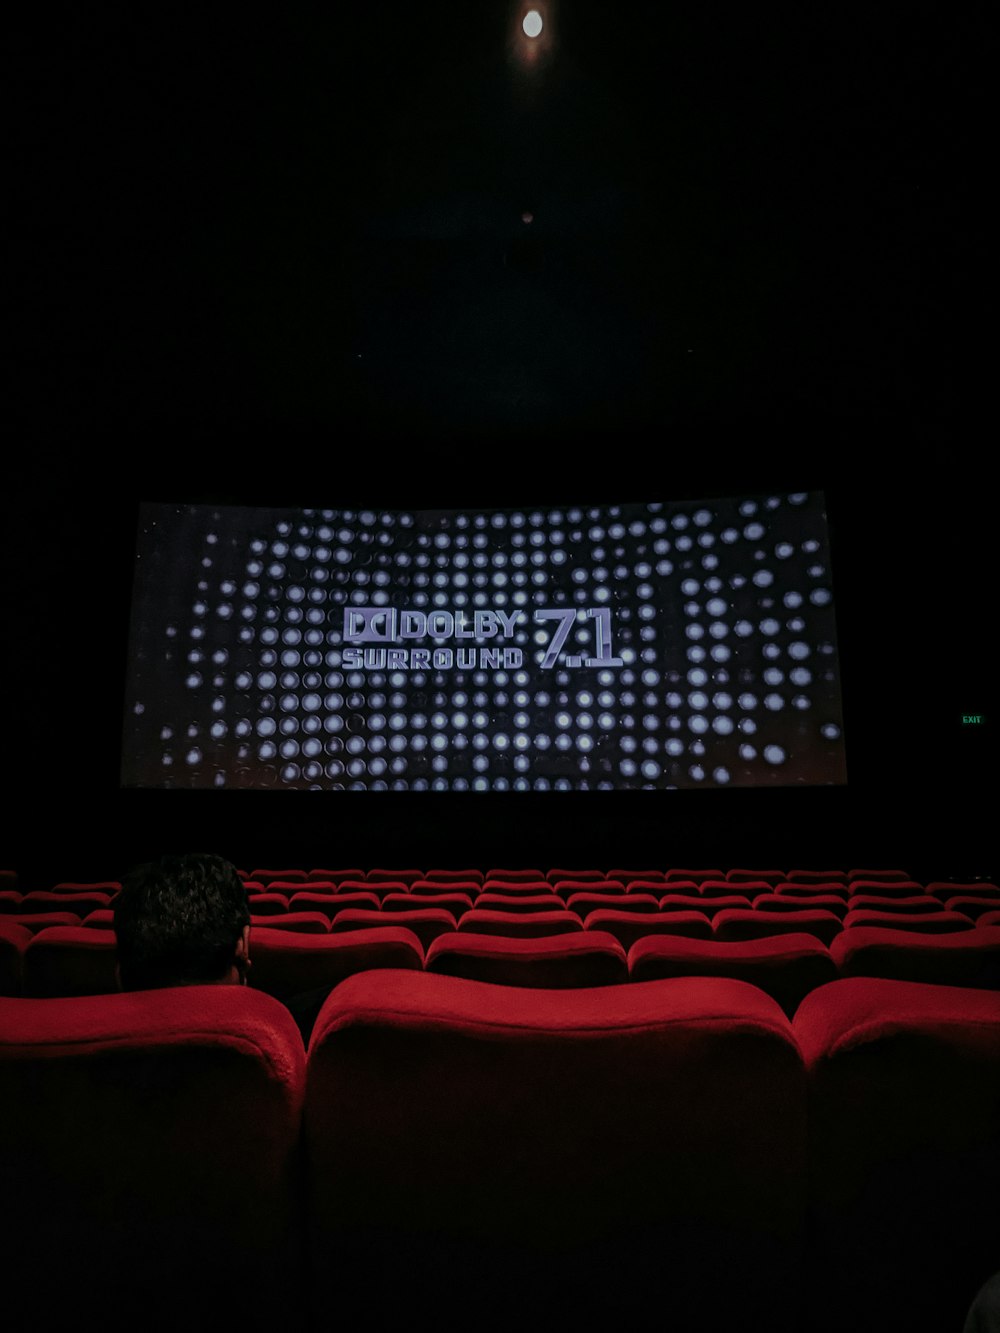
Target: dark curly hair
column 178, row 920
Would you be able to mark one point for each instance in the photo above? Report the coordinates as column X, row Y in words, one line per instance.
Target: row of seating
column 11, row 879
column 677, row 1150
column 80, row 960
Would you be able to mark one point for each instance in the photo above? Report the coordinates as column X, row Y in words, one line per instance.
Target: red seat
column 582, row 958
column 38, row 921
column 904, row 1152
column 926, row 922
column 431, row 887
column 582, row 903
column 379, row 888
column 405, row 876
column 627, row 927
column 816, row 889
column 332, row 904
column 70, row 960
column 883, row 874
column 288, row 887
column 963, row 958
column 786, row 967
column 783, row 902
column 593, row 1150
column 694, row 902
column 944, row 889
column 483, row 921
column 438, row 876
column 456, row 903
column 109, row 886
column 739, row 875
column 886, row 888
column 817, row 877
column 737, row 924
column 309, row 923
column 972, row 906
column 724, row 888
column 514, row 876
column 267, row 904
column 102, row 919
column 161, row 1135
column 334, row 876
column 426, row 923
column 695, row 876
column 627, row 876
column 265, row 876
column 556, row 873
column 43, row 900
column 567, row 887
column 513, row 887
column 14, row 940
column 287, row 964
column 10, row 901
column 911, row 903
column 519, row 902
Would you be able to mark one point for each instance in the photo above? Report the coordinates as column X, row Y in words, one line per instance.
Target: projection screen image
column 627, row 646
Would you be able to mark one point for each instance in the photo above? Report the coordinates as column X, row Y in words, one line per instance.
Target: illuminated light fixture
column 532, row 23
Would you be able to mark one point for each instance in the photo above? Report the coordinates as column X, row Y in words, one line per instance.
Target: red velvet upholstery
column 267, row 904
column 964, row 958
column 582, row 903
column 516, row 886
column 926, row 922
column 472, row 886
column 439, row 876
column 904, row 1152
column 321, row 873
column 816, row 889
column 426, row 923
column 559, row 962
column 796, row 876
column 109, row 886
column 627, row 876
column 43, row 900
column 694, row 902
column 102, row 919
column 285, row 964
column 784, row 902
column 331, row 904
column 908, row 903
column 880, row 873
column 557, row 1159
column 947, row 888
column 309, row 923
column 483, row 921
column 456, row 903
column 519, row 902
column 972, row 906
column 265, row 876
column 382, row 875
column 515, row 876
column 627, row 927
column 379, row 888
column 737, row 924
column 739, row 875
column 10, row 900
column 37, row 921
column 724, row 888
column 148, row 1144
column 886, row 888
column 787, row 967
column 567, row 887
column 696, row 876
column 13, row 942
column 70, row 960
column 557, row 873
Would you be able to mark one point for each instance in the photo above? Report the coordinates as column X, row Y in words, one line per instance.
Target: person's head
column 182, row 921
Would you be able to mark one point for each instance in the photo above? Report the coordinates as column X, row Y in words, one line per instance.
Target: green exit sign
column 973, row 720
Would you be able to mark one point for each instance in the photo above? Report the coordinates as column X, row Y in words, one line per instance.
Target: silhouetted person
column 182, row 921
column 185, row 921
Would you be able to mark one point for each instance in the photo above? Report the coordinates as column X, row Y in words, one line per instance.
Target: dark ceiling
column 286, row 249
